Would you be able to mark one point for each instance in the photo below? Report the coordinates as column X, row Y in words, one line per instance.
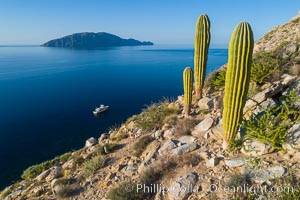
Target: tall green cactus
column 188, row 89
column 237, row 80
column 201, row 45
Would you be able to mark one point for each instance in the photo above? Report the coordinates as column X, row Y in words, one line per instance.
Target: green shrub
column 237, row 180
column 92, row 165
column 265, row 66
column 216, row 81
column 253, row 90
column 67, row 187
column 5, row 193
column 141, row 144
column 109, row 147
column 119, row 136
column 272, row 127
column 154, row 116
column 33, row 171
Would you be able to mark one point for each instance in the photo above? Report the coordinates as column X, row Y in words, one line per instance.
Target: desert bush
column 120, row 135
column 266, row 67
column 154, row 116
column 190, row 159
column 216, row 80
column 184, row 126
column 110, row 147
column 236, row 181
column 272, row 126
column 171, row 120
column 5, row 193
column 253, row 90
column 140, row 145
column 92, row 165
column 66, row 187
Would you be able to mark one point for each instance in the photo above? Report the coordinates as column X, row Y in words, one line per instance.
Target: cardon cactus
column 201, row 45
column 237, row 80
column 188, row 89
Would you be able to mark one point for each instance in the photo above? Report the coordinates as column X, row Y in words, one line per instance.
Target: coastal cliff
column 160, row 154
column 93, row 41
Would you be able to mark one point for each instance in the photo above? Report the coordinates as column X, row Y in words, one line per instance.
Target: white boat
column 100, row 109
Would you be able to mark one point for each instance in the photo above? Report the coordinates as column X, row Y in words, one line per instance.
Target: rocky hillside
column 160, row 154
column 284, row 38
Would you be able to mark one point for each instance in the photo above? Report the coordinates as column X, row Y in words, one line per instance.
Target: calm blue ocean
column 47, row 95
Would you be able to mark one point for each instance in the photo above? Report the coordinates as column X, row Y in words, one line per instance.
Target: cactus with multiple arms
column 237, row 80
column 188, row 89
column 201, row 43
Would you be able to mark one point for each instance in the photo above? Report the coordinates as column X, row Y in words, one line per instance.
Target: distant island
column 89, row 40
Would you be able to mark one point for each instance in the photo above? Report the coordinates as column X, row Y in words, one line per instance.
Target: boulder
column 103, row 137
column 130, row 170
column 235, row 162
column 262, row 107
column 68, row 164
column 203, row 126
column 55, row 172
column 167, row 147
column 187, row 139
column 158, row 134
column 293, row 136
column 56, row 187
column 269, row 92
column 206, row 103
column 91, row 142
column 212, row 162
column 255, row 148
column 288, row 79
column 38, row 191
column 183, row 186
column 205, row 155
column 43, row 175
column 184, row 149
column 289, row 50
column 169, row 134
column 264, row 175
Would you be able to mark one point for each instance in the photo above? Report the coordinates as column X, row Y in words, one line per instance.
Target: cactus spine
column 188, row 89
column 237, row 80
column 201, row 45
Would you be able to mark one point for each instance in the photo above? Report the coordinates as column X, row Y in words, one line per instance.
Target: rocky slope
column 160, row 154
column 92, row 41
column 284, row 38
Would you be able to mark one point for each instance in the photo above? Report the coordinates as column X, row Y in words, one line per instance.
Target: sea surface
column 47, row 95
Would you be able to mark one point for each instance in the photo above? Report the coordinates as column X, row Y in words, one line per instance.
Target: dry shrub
column 184, row 126
column 190, row 159
column 141, row 144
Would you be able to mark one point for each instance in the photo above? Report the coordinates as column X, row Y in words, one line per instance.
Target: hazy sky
column 160, row 21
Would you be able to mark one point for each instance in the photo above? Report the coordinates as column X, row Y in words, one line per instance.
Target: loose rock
column 91, row 142
column 183, row 186
column 203, row 126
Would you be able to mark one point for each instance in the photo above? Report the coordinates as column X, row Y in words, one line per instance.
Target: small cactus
column 188, row 89
column 237, row 80
column 201, row 45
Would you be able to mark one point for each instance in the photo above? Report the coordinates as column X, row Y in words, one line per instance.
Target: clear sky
column 160, row 21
